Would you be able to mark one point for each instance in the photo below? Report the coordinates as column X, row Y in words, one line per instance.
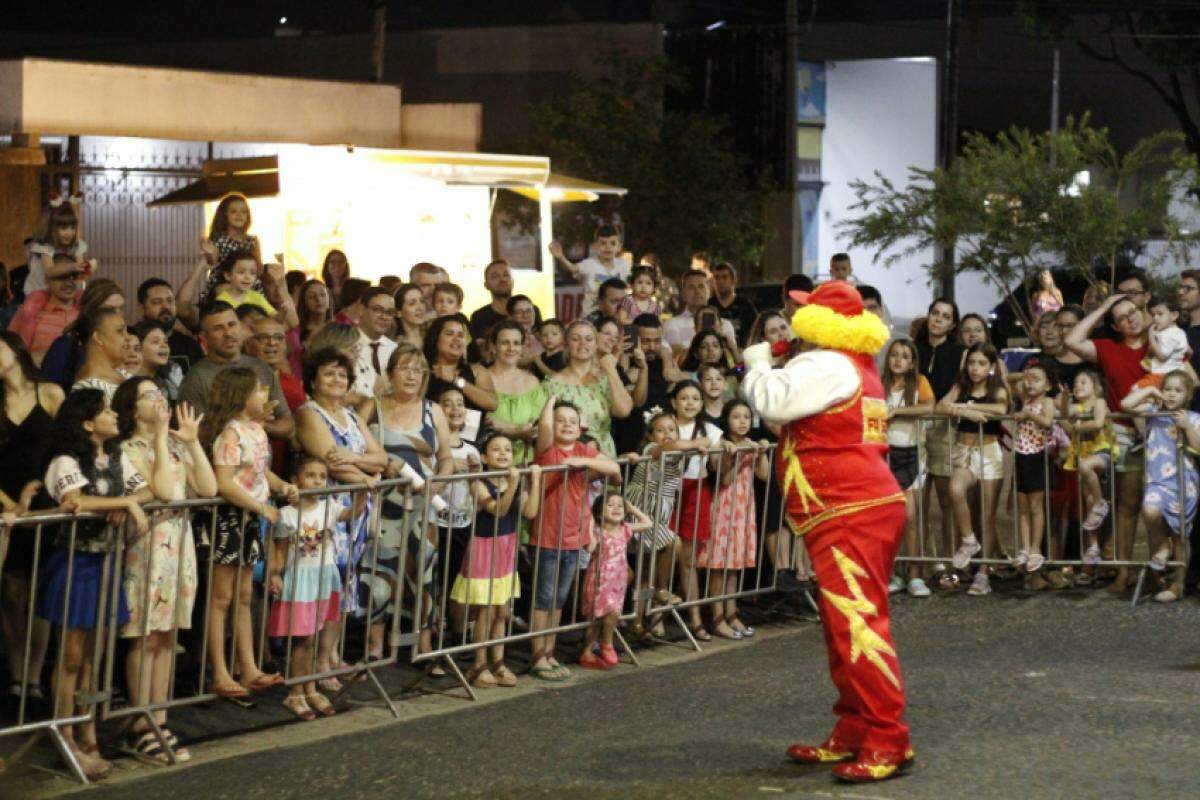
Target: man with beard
column 156, row 302
column 497, row 278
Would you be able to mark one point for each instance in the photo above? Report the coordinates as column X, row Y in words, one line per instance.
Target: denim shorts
column 555, row 571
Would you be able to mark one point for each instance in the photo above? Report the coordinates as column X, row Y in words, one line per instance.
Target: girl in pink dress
column 607, row 576
column 734, row 524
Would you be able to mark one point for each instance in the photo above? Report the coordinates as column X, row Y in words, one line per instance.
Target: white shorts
column 985, row 462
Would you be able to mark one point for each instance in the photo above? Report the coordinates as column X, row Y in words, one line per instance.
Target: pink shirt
column 565, row 494
column 243, row 445
column 39, row 323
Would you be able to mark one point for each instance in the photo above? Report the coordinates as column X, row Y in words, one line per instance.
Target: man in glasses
column 268, row 343
column 374, row 348
column 1120, row 360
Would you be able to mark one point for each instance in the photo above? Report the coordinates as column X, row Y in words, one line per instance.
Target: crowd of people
column 617, row 436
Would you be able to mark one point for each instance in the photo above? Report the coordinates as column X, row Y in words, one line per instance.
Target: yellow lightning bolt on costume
column 794, row 478
column 863, row 640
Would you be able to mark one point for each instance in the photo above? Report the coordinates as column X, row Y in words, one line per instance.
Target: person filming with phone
column 697, row 315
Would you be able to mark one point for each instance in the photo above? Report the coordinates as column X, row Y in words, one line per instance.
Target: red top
column 39, row 323
column 1122, row 367
column 835, row 463
column 293, row 395
column 563, row 494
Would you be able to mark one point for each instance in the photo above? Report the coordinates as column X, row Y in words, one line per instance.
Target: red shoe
column 874, row 766
column 590, row 660
column 608, row 655
column 827, row 752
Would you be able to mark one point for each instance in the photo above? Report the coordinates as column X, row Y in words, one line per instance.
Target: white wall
column 880, row 115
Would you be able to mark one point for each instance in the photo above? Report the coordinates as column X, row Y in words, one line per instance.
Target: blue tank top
column 485, row 521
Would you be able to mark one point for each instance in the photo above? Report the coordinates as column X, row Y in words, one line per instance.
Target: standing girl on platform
column 160, row 569
column 1165, row 513
column 607, row 575
column 735, row 526
column 488, row 581
column 87, row 473
column 242, row 462
column 977, row 397
column 1091, row 453
column 909, row 396
column 693, row 523
column 1034, row 421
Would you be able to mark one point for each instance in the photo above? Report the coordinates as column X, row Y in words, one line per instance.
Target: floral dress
column 1162, row 471
column 594, row 402
column 734, row 523
column 160, row 568
column 607, row 574
column 350, row 538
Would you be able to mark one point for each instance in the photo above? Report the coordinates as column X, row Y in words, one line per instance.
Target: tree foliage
column 688, row 189
column 1024, row 202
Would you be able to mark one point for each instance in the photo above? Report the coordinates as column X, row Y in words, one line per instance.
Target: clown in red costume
column 840, row 495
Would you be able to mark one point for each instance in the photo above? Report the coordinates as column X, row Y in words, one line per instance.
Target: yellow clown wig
column 832, row 317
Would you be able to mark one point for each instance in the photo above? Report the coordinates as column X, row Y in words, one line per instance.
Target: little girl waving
column 306, row 583
column 87, row 473
column 1166, row 515
column 242, row 462
column 1034, row 422
column 488, row 581
column 735, row 526
column 975, row 400
column 1091, row 453
column 607, row 576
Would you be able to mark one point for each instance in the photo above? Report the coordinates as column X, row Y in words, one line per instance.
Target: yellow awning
column 560, row 188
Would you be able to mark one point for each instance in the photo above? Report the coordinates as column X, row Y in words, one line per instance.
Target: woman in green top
column 592, row 385
column 521, row 396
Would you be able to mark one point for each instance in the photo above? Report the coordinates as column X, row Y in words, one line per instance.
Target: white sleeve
column 1173, row 343
column 134, row 479
column 62, row 476
column 809, row 383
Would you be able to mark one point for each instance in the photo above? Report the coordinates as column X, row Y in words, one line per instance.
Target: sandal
column 229, row 690
column 663, row 597
column 331, row 685
column 181, row 753
column 1096, row 516
column 726, row 631
column 504, row 676
column 296, row 704
column 482, row 678
column 547, row 673
column 435, row 671
column 745, row 630
column 320, row 704
column 265, row 681
column 145, row 747
column 701, row 634
column 94, row 768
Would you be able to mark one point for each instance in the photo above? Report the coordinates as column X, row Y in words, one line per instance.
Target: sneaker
column 1021, row 558
column 1096, row 516
column 1166, row 596
column 917, row 588
column 1091, row 556
column 1035, row 562
column 962, row 556
column 980, row 585
column 896, row 585
column 608, row 654
column 590, row 660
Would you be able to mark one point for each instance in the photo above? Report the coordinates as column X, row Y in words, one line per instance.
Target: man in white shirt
column 375, row 348
column 597, row 268
column 679, row 330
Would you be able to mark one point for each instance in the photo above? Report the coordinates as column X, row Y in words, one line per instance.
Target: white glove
column 757, row 355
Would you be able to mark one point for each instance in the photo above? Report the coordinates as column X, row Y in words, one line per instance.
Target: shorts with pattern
column 237, row 533
column 984, row 461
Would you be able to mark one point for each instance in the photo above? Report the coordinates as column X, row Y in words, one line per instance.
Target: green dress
column 594, row 402
column 521, row 409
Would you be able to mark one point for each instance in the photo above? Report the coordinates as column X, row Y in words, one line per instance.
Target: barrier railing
column 982, row 449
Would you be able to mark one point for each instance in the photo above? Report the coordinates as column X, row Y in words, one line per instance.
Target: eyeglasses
column 1131, row 292
column 150, row 394
column 269, row 337
column 410, row 369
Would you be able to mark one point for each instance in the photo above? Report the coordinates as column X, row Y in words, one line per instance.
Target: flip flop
column 265, row 681
column 547, row 674
column 230, row 690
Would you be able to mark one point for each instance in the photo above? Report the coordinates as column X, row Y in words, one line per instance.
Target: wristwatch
column 459, row 383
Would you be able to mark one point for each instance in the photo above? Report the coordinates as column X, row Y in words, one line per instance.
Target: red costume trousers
column 853, row 557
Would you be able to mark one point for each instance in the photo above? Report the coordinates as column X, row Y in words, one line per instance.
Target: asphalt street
column 1017, row 695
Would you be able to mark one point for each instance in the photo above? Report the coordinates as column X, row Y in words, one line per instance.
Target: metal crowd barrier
column 1055, row 536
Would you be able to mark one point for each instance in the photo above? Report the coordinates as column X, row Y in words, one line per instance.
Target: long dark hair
column 220, row 221
column 910, row 379
column 124, row 402
column 994, row 381
column 28, row 371
column 691, row 361
column 306, row 320
column 227, row 398
column 325, row 276
column 735, row 403
column 922, row 332
column 435, row 332
column 68, row 436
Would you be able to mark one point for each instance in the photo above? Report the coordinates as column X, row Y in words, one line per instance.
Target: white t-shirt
column 592, row 273
column 680, row 329
column 694, row 468
column 66, row 475
column 314, row 531
column 457, row 494
column 1173, row 344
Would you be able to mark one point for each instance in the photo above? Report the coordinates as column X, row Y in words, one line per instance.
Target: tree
column 688, row 189
column 1156, row 41
column 1026, row 202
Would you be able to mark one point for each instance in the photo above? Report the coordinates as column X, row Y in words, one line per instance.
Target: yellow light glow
column 386, row 214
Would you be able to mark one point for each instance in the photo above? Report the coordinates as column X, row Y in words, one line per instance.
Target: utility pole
column 791, row 63
column 378, row 39
column 949, row 125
